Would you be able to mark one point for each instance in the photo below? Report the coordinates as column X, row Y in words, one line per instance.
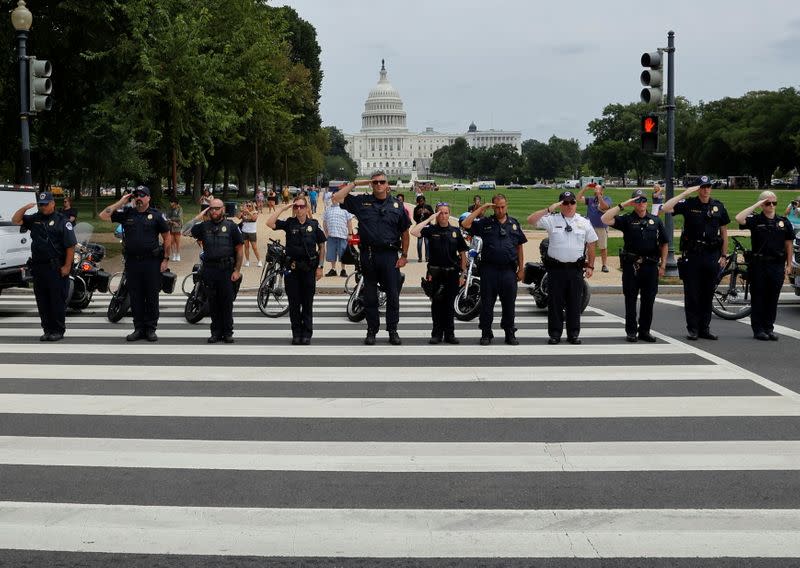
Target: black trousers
column 220, row 299
column 565, row 288
column 144, row 284
column 498, row 280
column 379, row 267
column 443, row 310
column 699, row 282
column 50, row 290
column 635, row 284
column 300, row 289
column 766, row 280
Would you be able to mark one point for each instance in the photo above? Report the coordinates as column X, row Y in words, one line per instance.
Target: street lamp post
column 21, row 19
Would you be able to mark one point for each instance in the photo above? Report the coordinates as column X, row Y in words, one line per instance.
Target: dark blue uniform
column 380, row 227
column 643, row 238
column 302, row 240
column 766, row 268
column 220, row 240
column 701, row 247
column 143, row 256
column 51, row 236
column 498, row 269
column 444, row 268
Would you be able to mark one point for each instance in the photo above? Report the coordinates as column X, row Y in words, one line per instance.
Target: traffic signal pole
column 669, row 159
column 22, row 39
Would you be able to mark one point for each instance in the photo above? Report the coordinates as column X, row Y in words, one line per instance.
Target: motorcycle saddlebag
column 168, row 279
column 534, row 271
column 101, row 280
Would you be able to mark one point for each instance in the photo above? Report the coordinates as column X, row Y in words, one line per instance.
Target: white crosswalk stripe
column 606, row 449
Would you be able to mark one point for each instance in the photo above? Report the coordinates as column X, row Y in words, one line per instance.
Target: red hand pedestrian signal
column 650, row 133
column 649, row 124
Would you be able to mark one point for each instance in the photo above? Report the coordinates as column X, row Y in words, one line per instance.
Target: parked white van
column 15, row 247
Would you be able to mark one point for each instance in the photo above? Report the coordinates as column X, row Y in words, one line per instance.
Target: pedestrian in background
column 658, row 199
column 596, row 205
column 704, row 247
column 69, row 211
column 175, row 219
column 52, row 246
column 772, row 238
column 205, row 199
column 145, row 257
column 249, row 215
column 338, row 226
column 643, row 259
column 272, row 199
column 313, row 195
column 421, row 212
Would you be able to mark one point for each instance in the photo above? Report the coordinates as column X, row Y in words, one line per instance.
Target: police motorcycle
column 86, row 277
column 794, row 279
column 197, row 299
column 355, row 304
column 535, row 277
column 468, row 300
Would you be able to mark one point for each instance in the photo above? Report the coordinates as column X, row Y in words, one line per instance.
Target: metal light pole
column 21, row 19
column 669, row 161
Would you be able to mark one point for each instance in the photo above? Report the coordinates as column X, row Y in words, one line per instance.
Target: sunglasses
column 442, row 204
column 379, row 182
column 570, row 202
column 215, row 208
column 139, row 194
column 773, row 203
column 641, row 200
column 298, row 206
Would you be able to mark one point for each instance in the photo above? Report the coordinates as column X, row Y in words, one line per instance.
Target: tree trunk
column 226, row 174
column 198, row 183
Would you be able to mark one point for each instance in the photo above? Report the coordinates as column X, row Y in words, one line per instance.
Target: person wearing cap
column 383, row 229
column 145, row 257
column 704, row 246
column 772, row 238
column 502, row 265
column 569, row 254
column 446, row 267
column 222, row 243
column 421, row 212
column 643, row 260
column 52, row 246
column 596, row 205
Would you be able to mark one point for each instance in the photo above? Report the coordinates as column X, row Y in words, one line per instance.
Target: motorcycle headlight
column 76, row 257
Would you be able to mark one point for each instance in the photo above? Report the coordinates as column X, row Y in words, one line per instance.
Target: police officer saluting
column 502, row 265
column 643, row 259
column 571, row 250
column 52, row 246
column 145, row 258
column 446, row 264
column 383, row 228
column 305, row 254
column 704, row 245
column 772, row 237
column 222, row 263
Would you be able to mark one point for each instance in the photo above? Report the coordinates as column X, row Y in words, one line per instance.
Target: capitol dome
column 383, row 109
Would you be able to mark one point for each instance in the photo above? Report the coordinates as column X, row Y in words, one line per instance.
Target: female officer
column 305, row 252
column 772, row 237
column 446, row 263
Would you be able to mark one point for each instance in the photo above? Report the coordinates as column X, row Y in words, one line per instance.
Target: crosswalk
column 340, row 451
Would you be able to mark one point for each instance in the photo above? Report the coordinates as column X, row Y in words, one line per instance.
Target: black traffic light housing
column 652, row 78
column 650, row 133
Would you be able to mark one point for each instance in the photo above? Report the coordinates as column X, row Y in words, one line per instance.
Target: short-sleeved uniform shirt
column 70, row 213
column 769, row 236
column 219, row 239
column 444, row 245
column 51, row 236
column 642, row 236
column 380, row 223
column 500, row 240
column 567, row 244
column 702, row 221
column 141, row 230
column 593, row 212
column 301, row 238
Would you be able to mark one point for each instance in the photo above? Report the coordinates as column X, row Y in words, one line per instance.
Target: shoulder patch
column 68, row 225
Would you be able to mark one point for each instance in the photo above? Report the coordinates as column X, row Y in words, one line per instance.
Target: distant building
column 384, row 142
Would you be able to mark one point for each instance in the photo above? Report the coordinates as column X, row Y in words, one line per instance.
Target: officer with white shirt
column 567, row 257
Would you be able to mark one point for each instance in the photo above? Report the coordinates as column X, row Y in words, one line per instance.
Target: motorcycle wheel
column 187, row 284
column 271, row 298
column 543, row 295
column 587, row 295
column 732, row 296
column 468, row 303
column 355, row 306
column 118, row 306
column 196, row 307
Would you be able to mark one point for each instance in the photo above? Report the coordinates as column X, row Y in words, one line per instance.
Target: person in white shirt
column 571, row 251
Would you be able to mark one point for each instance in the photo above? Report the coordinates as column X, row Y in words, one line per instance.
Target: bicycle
column 732, row 294
column 271, row 297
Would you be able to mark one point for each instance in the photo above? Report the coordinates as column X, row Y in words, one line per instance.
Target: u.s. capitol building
column 384, row 142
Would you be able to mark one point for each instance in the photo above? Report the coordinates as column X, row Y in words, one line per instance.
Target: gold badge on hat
column 309, row 229
column 224, row 229
column 150, row 216
column 396, row 205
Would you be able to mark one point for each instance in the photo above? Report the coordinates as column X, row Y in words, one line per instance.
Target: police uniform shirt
column 702, row 221
column 380, row 223
column 444, row 244
column 500, row 240
column 769, row 236
column 51, row 236
column 219, row 239
column 642, row 236
column 141, row 230
column 567, row 245
column 301, row 238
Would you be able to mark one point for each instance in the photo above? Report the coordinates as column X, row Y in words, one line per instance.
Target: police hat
column 702, row 181
column 142, row 189
column 44, row 197
column 566, row 195
column 639, row 193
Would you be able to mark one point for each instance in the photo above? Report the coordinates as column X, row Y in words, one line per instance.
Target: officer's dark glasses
column 379, row 182
column 570, row 202
column 442, row 204
column 139, row 194
column 773, row 203
column 640, row 200
column 215, row 208
column 298, row 206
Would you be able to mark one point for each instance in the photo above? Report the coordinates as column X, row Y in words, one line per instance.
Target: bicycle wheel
column 732, row 296
column 271, row 298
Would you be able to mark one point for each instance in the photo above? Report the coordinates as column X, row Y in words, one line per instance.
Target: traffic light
column 650, row 133
column 652, row 78
column 40, row 85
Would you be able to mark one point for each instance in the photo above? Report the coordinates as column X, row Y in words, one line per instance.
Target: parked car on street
column 461, row 187
column 516, row 186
